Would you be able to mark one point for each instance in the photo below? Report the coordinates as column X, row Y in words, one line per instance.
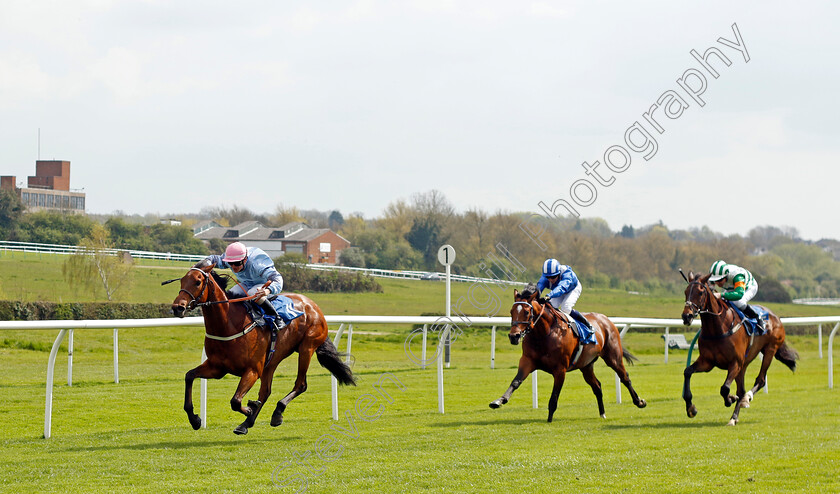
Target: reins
column 698, row 310
column 195, row 303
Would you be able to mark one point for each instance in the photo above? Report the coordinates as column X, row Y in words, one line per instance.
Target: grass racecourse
column 134, row 436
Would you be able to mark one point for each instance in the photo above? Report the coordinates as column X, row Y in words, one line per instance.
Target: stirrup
column 279, row 324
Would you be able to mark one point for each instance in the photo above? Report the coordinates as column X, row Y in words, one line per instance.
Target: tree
column 10, row 210
column 335, row 220
column 428, row 230
column 283, row 216
column 95, row 266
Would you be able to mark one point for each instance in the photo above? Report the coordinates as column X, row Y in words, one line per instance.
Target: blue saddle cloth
column 585, row 334
column 285, row 309
column 750, row 323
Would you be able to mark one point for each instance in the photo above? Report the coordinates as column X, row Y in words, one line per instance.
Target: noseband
column 194, row 298
column 698, row 309
column 531, row 319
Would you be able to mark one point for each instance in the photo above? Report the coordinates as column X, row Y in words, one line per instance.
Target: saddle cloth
column 751, row 324
column 584, row 334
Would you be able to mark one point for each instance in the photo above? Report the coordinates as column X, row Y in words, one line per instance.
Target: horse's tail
column 331, row 359
column 787, row 355
column 629, row 357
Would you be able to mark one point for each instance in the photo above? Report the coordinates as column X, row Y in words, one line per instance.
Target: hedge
column 37, row 311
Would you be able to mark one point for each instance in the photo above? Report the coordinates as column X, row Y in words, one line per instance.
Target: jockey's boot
column 750, row 312
column 586, row 326
column 269, row 309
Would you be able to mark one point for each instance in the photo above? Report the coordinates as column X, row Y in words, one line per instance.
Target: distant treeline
column 409, row 232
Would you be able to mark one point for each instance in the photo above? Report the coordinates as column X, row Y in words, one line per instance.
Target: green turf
column 134, row 436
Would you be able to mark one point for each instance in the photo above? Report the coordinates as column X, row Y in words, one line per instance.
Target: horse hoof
column 692, row 411
column 732, row 422
column 603, row 415
column 745, row 403
column 195, row 422
column 549, row 420
column 240, row 430
column 276, row 419
column 642, row 403
column 495, row 404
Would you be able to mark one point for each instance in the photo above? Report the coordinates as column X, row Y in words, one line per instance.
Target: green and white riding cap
column 719, row 271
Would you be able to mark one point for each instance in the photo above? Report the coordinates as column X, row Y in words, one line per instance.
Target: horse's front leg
column 206, row 370
column 735, row 369
column 739, row 382
column 699, row 365
column 526, row 367
column 595, row 384
column 559, row 379
column 246, row 382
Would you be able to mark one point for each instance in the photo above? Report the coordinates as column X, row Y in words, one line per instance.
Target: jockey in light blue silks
column 253, row 269
column 565, row 290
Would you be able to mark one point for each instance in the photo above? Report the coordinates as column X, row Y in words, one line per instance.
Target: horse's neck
column 550, row 319
column 225, row 318
column 711, row 321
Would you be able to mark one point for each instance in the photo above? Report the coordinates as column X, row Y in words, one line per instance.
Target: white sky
column 168, row 107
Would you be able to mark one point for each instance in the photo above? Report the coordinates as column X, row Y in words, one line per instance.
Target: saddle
column 751, row 323
column 259, row 315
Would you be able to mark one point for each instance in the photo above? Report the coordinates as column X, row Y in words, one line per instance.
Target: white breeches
column 749, row 293
column 566, row 302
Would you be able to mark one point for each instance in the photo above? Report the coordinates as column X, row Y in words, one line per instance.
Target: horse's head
column 195, row 289
column 698, row 295
column 524, row 313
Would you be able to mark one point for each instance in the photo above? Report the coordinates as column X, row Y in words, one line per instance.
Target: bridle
column 704, row 301
column 193, row 303
column 532, row 321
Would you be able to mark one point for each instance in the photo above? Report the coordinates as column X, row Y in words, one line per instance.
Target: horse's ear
column 534, row 296
column 704, row 279
column 515, row 293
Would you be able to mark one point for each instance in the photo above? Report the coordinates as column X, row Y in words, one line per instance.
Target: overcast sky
column 169, row 107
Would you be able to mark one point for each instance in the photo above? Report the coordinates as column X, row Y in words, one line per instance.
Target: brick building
column 48, row 189
column 318, row 245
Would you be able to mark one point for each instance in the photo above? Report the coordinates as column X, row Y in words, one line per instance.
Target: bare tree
column 96, row 266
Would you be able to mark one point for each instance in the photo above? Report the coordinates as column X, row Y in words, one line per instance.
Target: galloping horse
column 723, row 345
column 234, row 346
column 549, row 345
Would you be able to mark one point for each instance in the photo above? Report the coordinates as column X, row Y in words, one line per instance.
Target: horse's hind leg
column 760, row 379
column 615, row 363
column 595, row 384
column 245, row 384
column 526, row 367
column 304, row 358
column 204, row 371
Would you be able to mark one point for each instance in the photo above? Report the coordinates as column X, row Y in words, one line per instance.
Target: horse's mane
column 221, row 279
column 529, row 291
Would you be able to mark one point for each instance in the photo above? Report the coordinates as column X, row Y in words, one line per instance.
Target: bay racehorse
column 548, row 344
column 235, row 345
column 725, row 343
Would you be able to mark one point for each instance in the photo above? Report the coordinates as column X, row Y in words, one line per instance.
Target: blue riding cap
column 551, row 267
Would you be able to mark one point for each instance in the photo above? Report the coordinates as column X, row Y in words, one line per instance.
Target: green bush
column 297, row 278
column 45, row 311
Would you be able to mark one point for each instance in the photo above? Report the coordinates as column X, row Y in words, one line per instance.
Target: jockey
column 740, row 287
column 565, row 290
column 253, row 269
